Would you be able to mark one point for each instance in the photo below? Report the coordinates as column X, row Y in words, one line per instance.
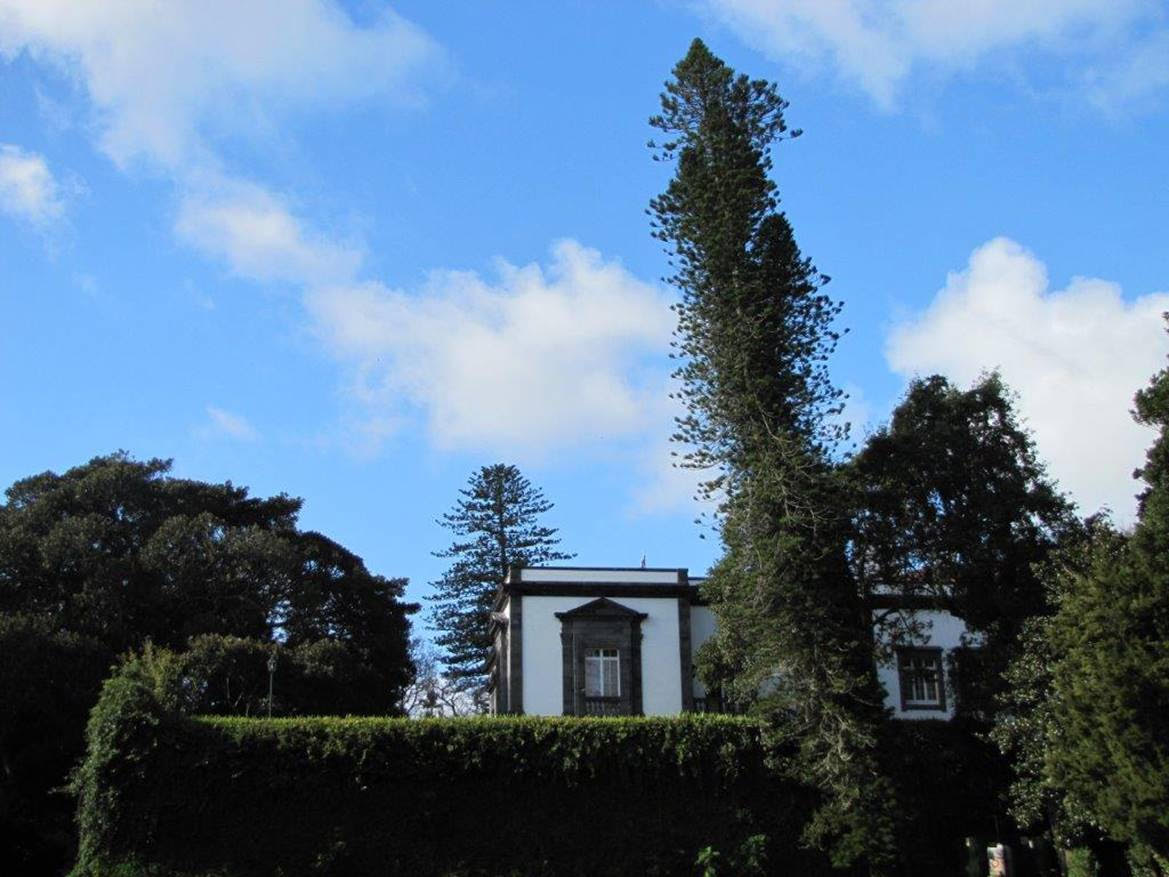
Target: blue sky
column 354, row 251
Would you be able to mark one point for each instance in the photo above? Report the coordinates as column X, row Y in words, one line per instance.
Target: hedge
column 161, row 793
column 49, row 681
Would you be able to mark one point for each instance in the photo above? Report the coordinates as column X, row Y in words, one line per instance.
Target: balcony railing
column 604, row 706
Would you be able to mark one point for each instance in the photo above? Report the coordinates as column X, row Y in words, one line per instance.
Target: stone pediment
column 602, row 607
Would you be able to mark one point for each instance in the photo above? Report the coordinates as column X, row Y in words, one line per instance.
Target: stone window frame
column 934, row 655
column 601, row 624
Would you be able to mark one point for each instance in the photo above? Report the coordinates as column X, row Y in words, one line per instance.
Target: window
column 923, row 685
column 602, row 673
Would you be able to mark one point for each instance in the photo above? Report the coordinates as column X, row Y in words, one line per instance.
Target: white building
column 616, row 641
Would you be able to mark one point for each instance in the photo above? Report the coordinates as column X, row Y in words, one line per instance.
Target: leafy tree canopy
column 952, row 502
column 496, row 525
column 118, row 550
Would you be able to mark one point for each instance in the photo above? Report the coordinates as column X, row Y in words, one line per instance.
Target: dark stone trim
column 636, row 705
column 515, row 648
column 934, row 652
column 502, row 672
column 600, row 624
column 685, row 657
column 601, row 607
column 568, row 664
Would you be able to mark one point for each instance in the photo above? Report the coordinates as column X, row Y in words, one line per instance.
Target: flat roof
column 633, row 575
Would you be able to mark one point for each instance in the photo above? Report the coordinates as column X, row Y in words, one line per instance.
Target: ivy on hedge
column 166, row 794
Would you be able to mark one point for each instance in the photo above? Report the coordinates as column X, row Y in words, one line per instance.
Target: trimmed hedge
column 164, row 794
column 49, row 681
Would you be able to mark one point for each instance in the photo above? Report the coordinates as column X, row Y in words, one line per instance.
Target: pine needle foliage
column 496, row 525
column 755, row 333
column 1086, row 720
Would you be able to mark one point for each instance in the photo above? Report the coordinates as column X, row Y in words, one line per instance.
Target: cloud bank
column 167, row 79
column 534, row 358
column 1075, row 356
column 877, row 44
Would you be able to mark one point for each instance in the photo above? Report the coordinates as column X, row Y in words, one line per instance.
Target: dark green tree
column 1028, row 724
column 1086, row 716
column 953, row 503
column 115, row 553
column 119, row 551
column 755, row 331
column 496, row 525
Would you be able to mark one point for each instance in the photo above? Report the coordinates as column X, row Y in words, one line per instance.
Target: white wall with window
column 543, row 669
column 917, row 675
column 625, row 650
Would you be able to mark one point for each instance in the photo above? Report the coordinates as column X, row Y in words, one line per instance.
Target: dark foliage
column 949, row 781
column 755, row 331
column 115, row 553
column 49, row 680
column 228, row 676
column 117, row 550
column 496, row 525
column 953, row 503
column 167, row 795
column 1085, row 718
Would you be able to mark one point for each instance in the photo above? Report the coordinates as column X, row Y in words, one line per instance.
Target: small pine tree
column 496, row 526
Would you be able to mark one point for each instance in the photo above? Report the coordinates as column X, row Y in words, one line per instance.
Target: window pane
column 612, row 677
column 592, row 676
column 921, row 678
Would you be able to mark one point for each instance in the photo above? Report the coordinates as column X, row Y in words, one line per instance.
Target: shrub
column 949, row 784
column 228, row 675
column 166, row 794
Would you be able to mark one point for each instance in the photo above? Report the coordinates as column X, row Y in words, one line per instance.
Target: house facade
column 582, row 641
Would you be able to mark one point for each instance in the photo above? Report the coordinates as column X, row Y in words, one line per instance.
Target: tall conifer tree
column 755, row 331
column 495, row 525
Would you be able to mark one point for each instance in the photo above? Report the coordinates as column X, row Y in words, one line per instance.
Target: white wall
column 942, row 630
column 702, row 628
column 661, row 682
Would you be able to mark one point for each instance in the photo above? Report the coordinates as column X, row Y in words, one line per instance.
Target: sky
column 354, row 251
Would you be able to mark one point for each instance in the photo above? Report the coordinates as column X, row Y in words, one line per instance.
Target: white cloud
column 534, row 358
column 1075, row 356
column 171, row 84
column 877, row 43
column 167, row 78
column 224, row 424
column 28, row 189
column 258, row 236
